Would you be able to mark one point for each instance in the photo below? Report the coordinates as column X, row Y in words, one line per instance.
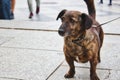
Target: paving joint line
column 89, row 67
column 29, row 29
column 31, row 49
column 46, row 30
column 55, row 70
column 11, row 78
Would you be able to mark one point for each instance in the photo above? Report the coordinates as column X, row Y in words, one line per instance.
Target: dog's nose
column 61, row 32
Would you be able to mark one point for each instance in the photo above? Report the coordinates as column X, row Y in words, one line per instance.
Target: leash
column 108, row 21
column 81, row 38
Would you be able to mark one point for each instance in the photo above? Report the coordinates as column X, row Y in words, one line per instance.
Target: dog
column 83, row 39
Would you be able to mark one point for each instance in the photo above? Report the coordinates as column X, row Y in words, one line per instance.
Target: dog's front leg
column 93, row 64
column 71, row 71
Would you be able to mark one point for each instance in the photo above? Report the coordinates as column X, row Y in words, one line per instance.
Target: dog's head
column 73, row 22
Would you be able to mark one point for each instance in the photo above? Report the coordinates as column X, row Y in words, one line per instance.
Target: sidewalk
column 29, row 54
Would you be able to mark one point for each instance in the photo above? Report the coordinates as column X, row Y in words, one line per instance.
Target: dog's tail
column 91, row 8
column 101, row 35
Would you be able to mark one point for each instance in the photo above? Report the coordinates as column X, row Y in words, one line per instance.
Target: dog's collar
column 78, row 42
column 79, row 39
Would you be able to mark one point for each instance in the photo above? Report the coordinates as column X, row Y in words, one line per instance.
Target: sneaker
column 110, row 4
column 37, row 10
column 12, row 15
column 31, row 15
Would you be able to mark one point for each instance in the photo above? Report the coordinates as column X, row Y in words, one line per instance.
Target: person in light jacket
column 30, row 6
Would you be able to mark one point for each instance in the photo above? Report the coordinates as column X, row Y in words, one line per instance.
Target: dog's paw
column 94, row 77
column 67, row 75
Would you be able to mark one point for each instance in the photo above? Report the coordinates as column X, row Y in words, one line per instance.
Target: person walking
column 5, row 9
column 110, row 2
column 30, row 6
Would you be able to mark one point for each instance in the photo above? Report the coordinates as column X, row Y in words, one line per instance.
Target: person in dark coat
column 110, row 3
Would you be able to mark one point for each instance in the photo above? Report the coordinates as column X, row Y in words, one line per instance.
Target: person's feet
column 12, row 15
column 101, row 1
column 109, row 4
column 37, row 10
column 31, row 15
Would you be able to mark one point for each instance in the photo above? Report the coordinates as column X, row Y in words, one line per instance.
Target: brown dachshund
column 83, row 38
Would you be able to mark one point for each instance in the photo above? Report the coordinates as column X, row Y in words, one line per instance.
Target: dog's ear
column 61, row 14
column 86, row 21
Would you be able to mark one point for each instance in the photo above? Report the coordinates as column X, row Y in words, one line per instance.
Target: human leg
column 110, row 3
column 30, row 6
column 12, row 8
column 101, row 1
column 12, row 5
column 37, row 6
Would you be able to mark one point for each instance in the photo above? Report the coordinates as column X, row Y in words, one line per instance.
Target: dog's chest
column 80, row 53
column 72, row 48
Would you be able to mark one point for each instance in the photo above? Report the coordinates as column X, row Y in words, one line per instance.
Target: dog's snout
column 61, row 32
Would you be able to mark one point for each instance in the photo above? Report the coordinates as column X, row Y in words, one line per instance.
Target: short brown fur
column 82, row 40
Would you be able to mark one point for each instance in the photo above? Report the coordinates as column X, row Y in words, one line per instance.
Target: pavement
column 30, row 49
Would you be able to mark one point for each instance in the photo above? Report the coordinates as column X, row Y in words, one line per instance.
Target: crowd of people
column 7, row 8
column 30, row 6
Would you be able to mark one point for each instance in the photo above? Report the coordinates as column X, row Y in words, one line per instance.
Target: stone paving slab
column 9, row 33
column 114, row 75
column 4, row 39
column 54, row 25
column 25, row 64
column 37, row 40
column 81, row 74
column 6, row 79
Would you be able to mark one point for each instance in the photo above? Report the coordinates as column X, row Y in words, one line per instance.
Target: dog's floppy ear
column 61, row 14
column 86, row 21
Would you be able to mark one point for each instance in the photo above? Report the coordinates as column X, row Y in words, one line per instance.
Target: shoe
column 12, row 15
column 101, row 1
column 31, row 15
column 110, row 4
column 37, row 10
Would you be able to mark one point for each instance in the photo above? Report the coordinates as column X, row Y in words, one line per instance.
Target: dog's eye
column 72, row 21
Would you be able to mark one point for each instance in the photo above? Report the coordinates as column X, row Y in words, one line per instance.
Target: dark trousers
column 110, row 3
